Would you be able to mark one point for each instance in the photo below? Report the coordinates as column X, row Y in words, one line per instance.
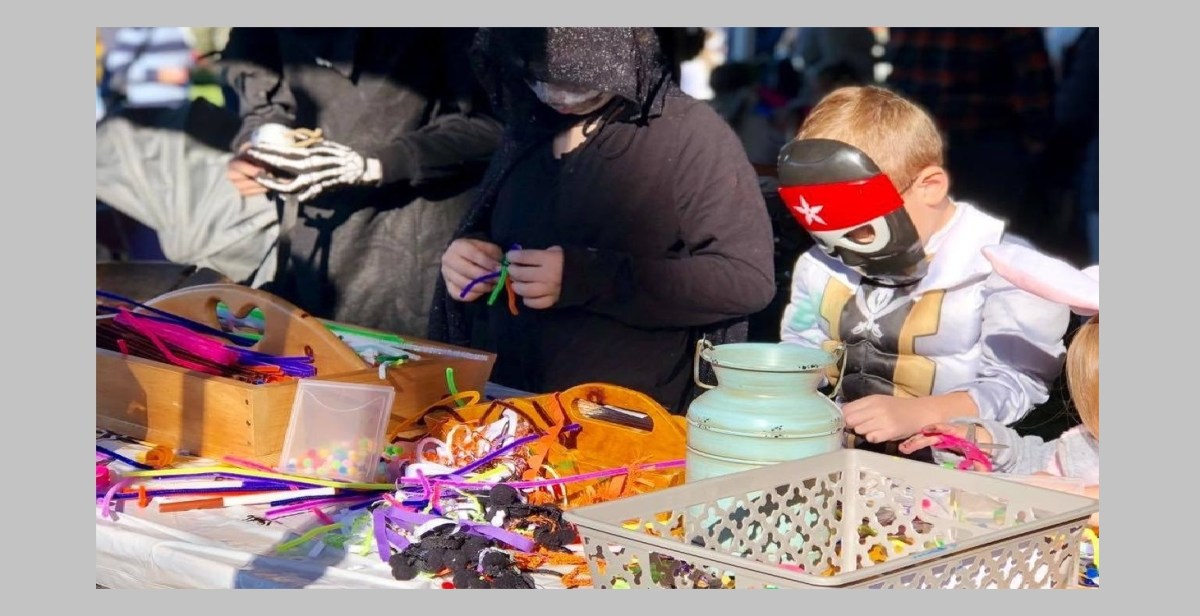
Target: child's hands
column 244, row 175
column 928, row 436
column 465, row 260
column 931, row 435
column 537, row 275
column 885, row 418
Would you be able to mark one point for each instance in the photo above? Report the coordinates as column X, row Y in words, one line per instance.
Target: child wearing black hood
column 624, row 213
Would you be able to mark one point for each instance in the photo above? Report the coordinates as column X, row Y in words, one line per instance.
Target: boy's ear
column 931, row 186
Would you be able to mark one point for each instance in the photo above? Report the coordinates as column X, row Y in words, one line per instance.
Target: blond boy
column 897, row 276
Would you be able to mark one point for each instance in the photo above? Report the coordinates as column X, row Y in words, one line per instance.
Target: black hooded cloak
column 665, row 233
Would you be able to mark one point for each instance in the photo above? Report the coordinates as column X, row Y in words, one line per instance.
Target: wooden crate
column 215, row 416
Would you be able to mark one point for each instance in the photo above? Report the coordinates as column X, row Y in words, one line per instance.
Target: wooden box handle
column 288, row 330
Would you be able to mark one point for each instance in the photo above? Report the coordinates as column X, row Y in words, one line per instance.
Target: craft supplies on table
column 568, row 438
column 554, row 444
column 241, row 545
column 787, row 525
column 215, row 416
column 336, row 430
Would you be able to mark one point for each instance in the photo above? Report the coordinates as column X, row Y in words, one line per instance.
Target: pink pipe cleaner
column 106, row 503
column 182, row 337
column 126, row 318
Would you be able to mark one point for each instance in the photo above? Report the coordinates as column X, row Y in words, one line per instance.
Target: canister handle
column 701, row 345
column 839, row 353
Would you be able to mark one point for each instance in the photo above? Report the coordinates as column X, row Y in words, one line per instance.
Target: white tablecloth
column 218, row 548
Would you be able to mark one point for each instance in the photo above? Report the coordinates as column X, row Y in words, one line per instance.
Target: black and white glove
column 308, row 163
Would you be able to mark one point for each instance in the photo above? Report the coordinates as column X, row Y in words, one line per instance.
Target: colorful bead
column 336, row 460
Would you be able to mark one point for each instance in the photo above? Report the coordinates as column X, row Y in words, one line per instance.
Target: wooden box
column 215, row 416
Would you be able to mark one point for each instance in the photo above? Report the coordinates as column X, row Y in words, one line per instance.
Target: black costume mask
column 852, row 210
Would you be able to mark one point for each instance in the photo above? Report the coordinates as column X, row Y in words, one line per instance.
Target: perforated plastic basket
column 840, row 520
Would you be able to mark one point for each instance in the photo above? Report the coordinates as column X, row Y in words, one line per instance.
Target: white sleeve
column 1023, row 351
column 1017, row 455
column 802, row 322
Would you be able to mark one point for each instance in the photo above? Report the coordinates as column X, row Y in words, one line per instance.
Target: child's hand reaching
column 467, row 259
column 930, row 435
column 879, row 418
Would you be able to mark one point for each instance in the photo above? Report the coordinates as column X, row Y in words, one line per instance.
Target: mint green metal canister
column 766, row 408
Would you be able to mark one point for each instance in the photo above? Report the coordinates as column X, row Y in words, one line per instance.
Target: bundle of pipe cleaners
column 236, row 482
column 168, row 338
column 498, row 542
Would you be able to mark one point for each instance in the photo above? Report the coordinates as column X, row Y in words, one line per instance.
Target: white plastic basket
column 909, row 524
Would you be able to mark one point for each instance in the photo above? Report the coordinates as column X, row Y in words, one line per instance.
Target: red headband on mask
column 841, row 205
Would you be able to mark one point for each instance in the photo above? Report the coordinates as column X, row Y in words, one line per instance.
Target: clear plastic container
column 336, row 430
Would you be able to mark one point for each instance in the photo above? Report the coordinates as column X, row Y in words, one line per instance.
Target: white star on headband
column 810, row 212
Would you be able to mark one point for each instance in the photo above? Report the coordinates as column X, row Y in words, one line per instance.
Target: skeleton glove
column 305, row 164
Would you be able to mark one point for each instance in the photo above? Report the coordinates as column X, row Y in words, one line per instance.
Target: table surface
column 220, row 548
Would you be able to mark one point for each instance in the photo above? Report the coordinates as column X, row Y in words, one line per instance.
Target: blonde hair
column 1083, row 373
column 896, row 133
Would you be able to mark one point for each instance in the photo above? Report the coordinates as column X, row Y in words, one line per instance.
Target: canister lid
column 767, row 357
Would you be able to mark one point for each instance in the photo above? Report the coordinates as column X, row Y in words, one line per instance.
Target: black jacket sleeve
column 463, row 133
column 250, row 65
column 726, row 267
column 440, row 150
